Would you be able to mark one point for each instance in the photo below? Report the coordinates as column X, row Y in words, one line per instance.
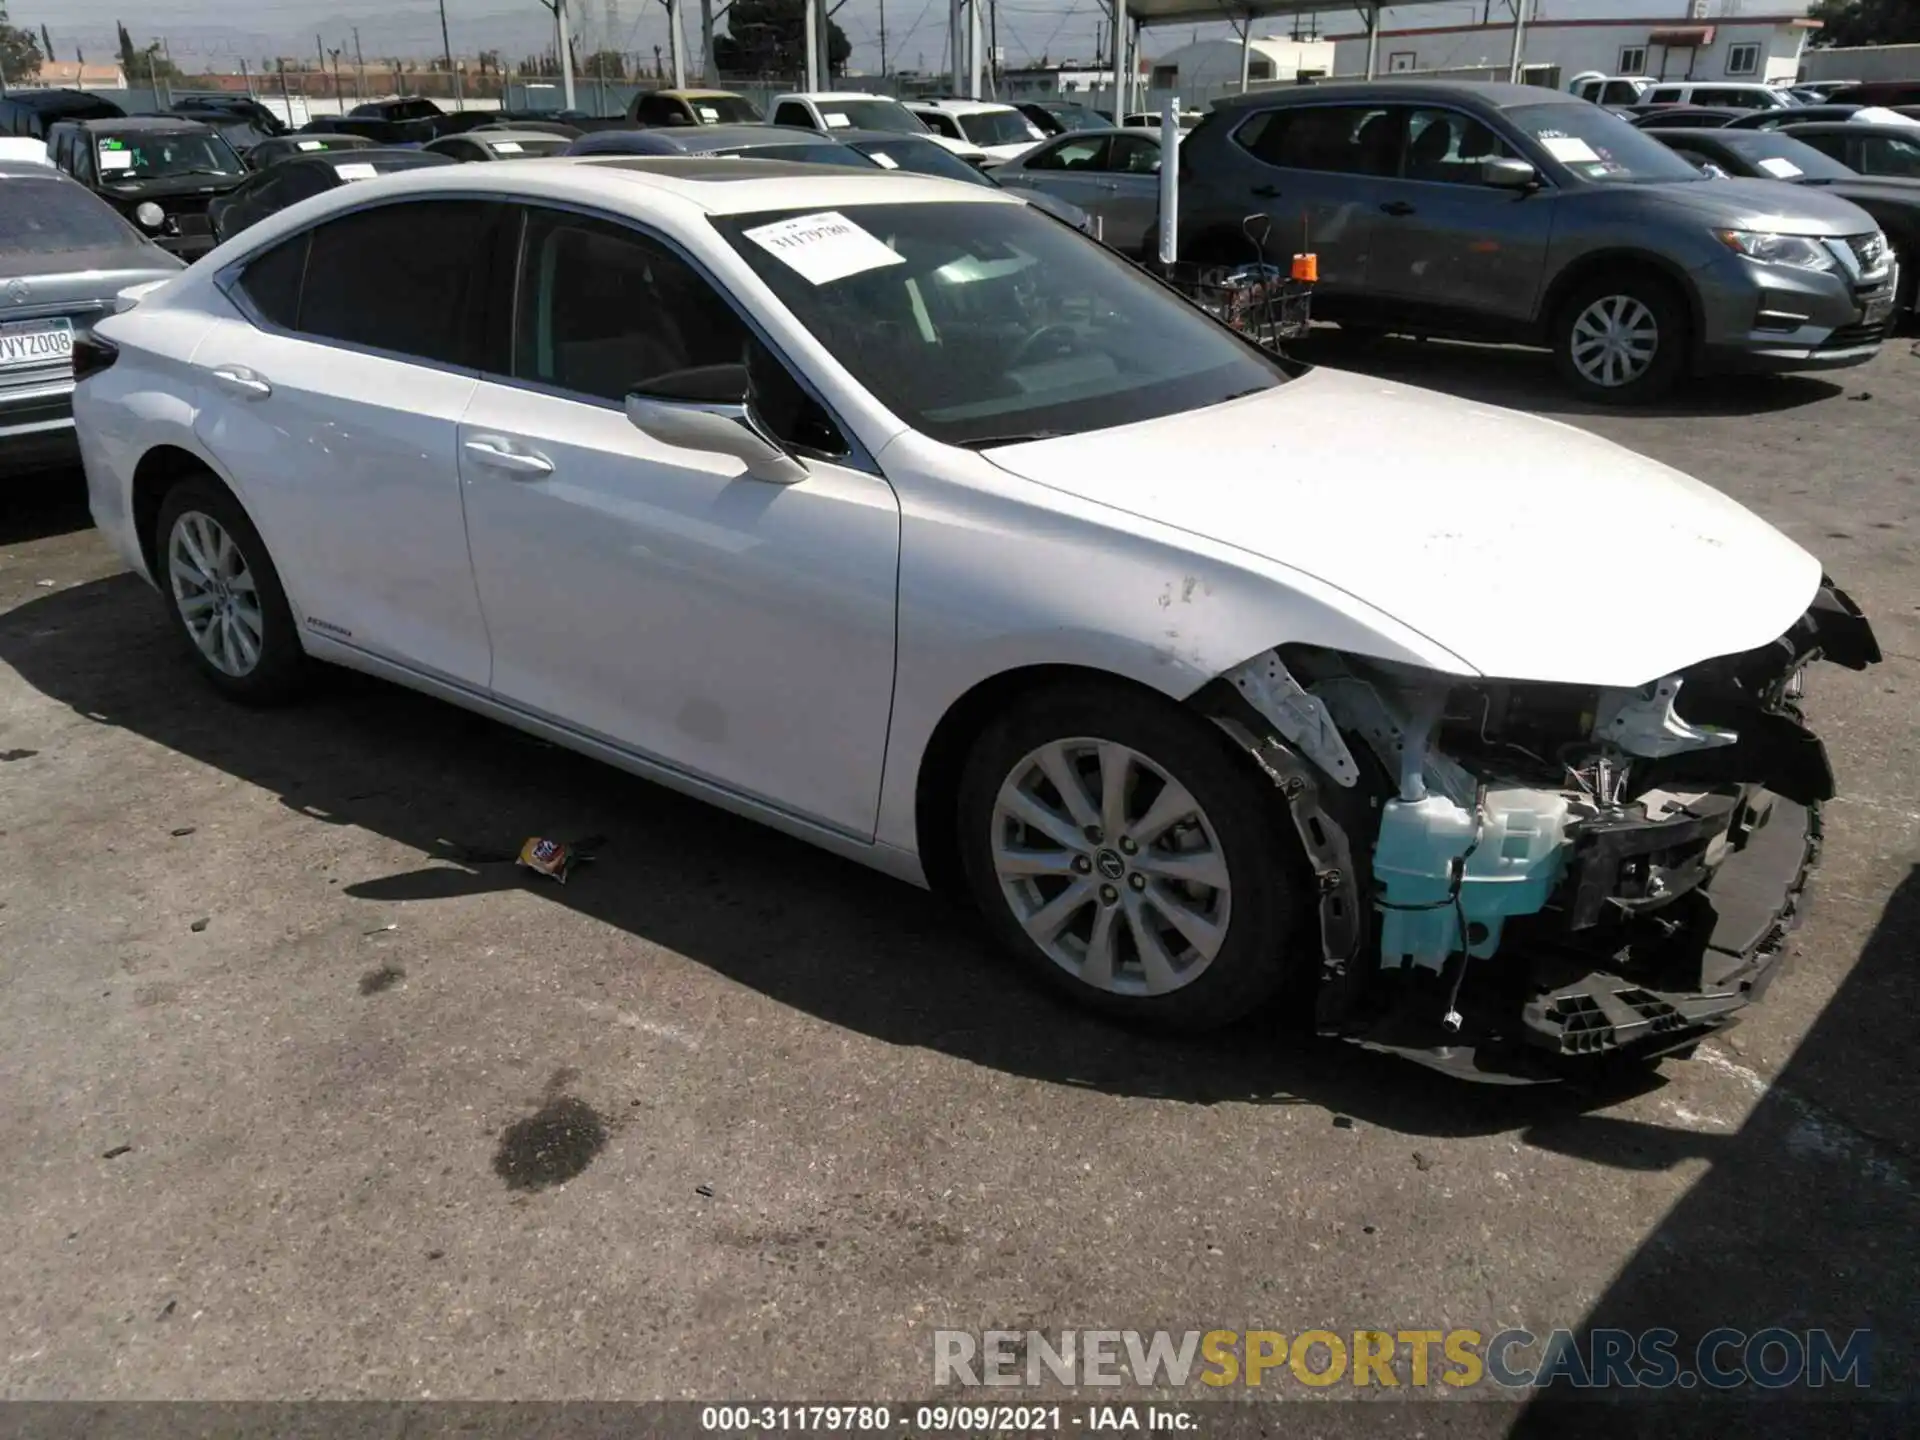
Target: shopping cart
column 1264, row 302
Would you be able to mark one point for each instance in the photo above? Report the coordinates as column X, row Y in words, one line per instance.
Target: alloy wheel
column 214, row 591
column 1111, row 867
column 1614, row 341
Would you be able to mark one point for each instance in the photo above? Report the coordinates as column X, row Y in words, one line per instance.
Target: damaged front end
column 1516, row 876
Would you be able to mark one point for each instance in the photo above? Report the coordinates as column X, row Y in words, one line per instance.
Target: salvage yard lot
column 304, row 1090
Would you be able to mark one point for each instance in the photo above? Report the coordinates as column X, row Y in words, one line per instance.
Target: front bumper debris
column 1678, row 864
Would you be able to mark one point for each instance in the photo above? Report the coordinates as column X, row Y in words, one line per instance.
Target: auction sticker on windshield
column 355, row 172
column 34, row 343
column 823, row 248
column 1780, row 169
column 116, row 159
column 1568, row 149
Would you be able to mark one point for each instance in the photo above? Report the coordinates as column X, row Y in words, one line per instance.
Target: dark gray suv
column 1513, row 213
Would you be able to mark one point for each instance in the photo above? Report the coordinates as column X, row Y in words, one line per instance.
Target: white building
column 1756, row 40
column 1213, row 66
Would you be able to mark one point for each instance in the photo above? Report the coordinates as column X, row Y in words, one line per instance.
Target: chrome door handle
column 496, row 454
column 242, row 382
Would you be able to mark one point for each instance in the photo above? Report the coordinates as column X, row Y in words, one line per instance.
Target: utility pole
column 708, row 74
column 883, row 39
column 286, row 95
column 359, row 67
column 564, row 44
column 244, row 75
column 993, row 47
column 812, row 22
column 973, row 49
column 446, row 50
column 338, row 97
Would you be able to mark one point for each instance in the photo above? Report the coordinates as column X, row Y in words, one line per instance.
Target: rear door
column 331, row 396
column 1449, row 247
column 658, row 598
column 1320, row 173
column 1128, row 188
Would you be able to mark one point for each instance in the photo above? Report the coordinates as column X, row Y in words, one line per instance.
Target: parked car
column 389, row 133
column 1521, row 214
column 1818, row 92
column 1889, row 150
column 1591, row 85
column 159, row 171
column 269, row 191
column 240, row 120
column 287, row 147
column 762, row 142
column 1113, row 175
column 30, row 113
column 1766, row 155
column 692, row 107
column 856, row 110
column 922, row 155
column 64, row 255
column 920, row 514
column 490, row 144
column 1730, row 95
column 1674, row 116
column 1876, row 92
column 1057, row 117
column 1150, row 119
column 1816, row 114
column 397, row 108
column 1000, row 132
column 541, row 127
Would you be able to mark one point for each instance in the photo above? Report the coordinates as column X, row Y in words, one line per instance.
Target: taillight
column 91, row 354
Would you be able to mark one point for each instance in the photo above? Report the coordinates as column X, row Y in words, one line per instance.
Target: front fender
column 998, row 574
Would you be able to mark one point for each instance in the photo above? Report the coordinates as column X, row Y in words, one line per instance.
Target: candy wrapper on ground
column 551, row 858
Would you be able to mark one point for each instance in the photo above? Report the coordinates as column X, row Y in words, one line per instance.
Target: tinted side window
column 1448, row 146
column 794, row 114
column 1131, row 156
column 408, row 278
column 1352, row 139
column 1664, row 95
column 604, row 310
column 271, row 281
column 1072, row 155
column 1619, row 92
column 1883, row 155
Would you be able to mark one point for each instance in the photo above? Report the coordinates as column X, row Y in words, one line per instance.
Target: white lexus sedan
column 898, row 516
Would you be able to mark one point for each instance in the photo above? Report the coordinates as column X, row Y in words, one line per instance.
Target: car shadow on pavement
column 1525, row 379
column 1804, row 1220
column 807, row 929
column 43, row 503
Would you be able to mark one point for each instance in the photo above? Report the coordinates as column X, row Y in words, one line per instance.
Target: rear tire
column 1621, row 338
column 1167, row 890
column 225, row 597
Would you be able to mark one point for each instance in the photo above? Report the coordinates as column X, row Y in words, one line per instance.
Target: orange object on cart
column 1306, row 268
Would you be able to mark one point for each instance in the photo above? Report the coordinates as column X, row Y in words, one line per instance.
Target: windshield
column 821, row 153
column 153, row 157
column 1077, row 117
column 725, row 110
column 999, row 127
column 1599, row 146
column 52, row 216
column 870, row 115
column 985, row 323
column 922, row 157
column 1781, row 156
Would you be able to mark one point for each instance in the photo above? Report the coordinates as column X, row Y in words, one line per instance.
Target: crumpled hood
column 1532, row 550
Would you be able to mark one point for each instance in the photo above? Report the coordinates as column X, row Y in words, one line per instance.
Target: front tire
column 1621, row 339
column 225, row 596
column 1136, row 861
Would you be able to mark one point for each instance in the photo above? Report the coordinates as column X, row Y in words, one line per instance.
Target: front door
column 336, row 403
column 738, row 631
column 1447, row 247
column 1128, row 190
column 1071, row 169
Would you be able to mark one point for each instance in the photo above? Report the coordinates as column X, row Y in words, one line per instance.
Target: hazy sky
column 218, row 32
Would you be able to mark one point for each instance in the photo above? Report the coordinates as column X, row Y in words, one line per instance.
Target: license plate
column 36, row 344
column 1878, row 309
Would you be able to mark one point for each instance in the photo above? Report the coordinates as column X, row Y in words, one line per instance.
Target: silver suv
column 1514, row 213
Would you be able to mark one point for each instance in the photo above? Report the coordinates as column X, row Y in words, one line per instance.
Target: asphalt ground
column 303, row 1093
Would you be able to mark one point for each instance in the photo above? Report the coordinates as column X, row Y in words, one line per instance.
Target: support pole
column 1169, row 179
column 708, row 75
column 1246, row 51
column 813, row 45
column 565, row 44
column 1519, row 41
column 1373, row 39
column 973, row 49
column 676, row 46
column 1119, row 61
column 956, row 42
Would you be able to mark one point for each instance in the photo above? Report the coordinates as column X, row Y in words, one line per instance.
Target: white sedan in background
column 906, row 520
